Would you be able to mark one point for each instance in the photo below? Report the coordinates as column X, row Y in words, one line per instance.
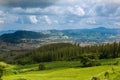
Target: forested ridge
column 68, row 51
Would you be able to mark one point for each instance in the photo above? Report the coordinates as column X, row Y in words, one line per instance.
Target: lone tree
column 41, row 66
column 106, row 75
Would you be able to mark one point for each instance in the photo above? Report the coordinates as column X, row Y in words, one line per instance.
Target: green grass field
column 63, row 70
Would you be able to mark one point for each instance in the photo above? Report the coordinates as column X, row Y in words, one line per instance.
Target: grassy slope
column 65, row 71
column 61, row 74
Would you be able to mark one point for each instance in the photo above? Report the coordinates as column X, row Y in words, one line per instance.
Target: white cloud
column 91, row 12
column 57, row 10
column 48, row 20
column 56, row 21
column 91, row 21
column 17, row 9
column 33, row 10
column 117, row 23
column 111, row 1
column 1, row 21
column 65, row 10
column 2, row 17
column 1, row 13
column 88, row 1
column 10, row 18
column 77, row 10
column 68, row 1
column 117, row 11
column 20, row 10
column 33, row 19
column 54, row 10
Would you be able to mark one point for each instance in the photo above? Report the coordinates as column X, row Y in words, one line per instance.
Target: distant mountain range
column 7, row 31
column 95, row 32
column 100, row 34
column 18, row 35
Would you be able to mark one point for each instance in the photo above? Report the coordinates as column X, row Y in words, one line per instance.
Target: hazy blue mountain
column 91, row 32
column 7, row 31
column 100, row 34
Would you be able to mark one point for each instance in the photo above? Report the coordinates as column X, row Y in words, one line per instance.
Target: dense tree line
column 68, row 51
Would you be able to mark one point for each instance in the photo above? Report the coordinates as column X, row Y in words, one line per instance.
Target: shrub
column 24, row 61
column 15, row 72
column 113, row 70
column 3, row 65
column 41, row 66
column 95, row 78
column 106, row 75
column 116, row 63
column 88, row 62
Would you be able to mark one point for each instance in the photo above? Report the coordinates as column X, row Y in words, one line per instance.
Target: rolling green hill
column 18, row 35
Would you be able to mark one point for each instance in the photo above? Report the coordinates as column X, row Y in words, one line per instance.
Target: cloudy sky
column 58, row 14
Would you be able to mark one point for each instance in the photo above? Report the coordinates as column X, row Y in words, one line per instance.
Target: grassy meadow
column 63, row 70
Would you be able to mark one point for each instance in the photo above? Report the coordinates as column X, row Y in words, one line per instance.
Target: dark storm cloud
column 26, row 3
